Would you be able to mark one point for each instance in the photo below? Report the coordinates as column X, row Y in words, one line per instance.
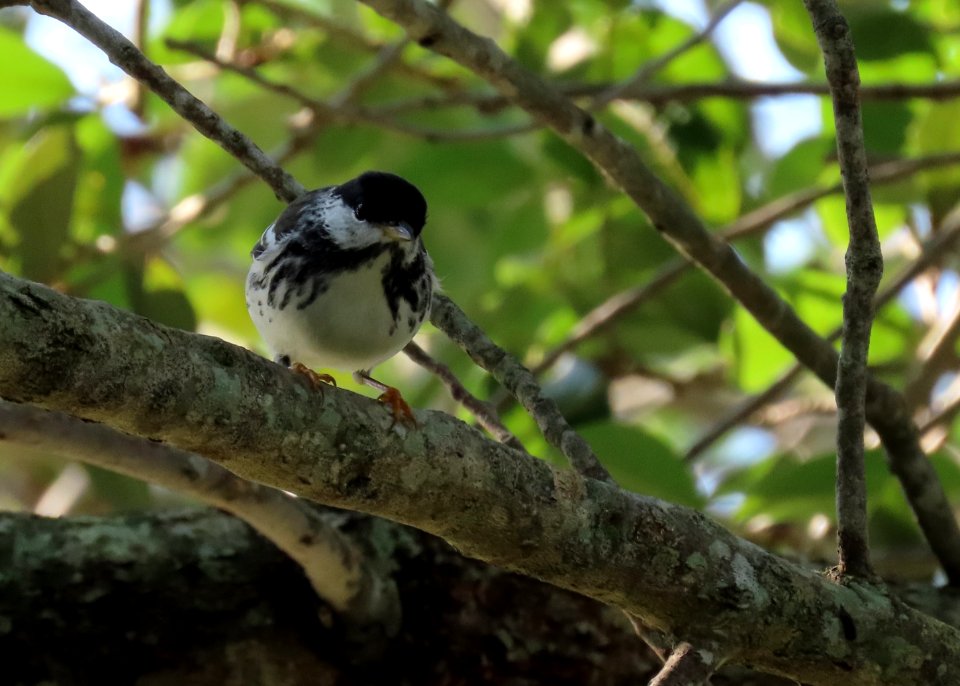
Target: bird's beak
column 398, row 232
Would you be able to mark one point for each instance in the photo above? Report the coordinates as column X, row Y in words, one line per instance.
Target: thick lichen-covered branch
column 342, row 575
column 494, row 503
column 194, row 596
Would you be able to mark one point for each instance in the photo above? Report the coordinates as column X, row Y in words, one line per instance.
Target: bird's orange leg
column 316, row 381
column 390, row 397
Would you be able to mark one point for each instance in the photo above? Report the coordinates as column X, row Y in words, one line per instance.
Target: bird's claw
column 317, row 381
column 399, row 408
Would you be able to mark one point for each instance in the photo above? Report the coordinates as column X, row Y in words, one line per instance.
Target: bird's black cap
column 383, row 198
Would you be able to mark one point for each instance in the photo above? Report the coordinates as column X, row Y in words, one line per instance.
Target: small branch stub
column 686, row 666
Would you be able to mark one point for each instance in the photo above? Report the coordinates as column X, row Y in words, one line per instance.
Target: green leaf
column 801, row 167
column 759, row 357
column 880, row 33
column 885, row 126
column 41, row 200
column 788, row 488
column 937, row 130
column 718, row 186
column 642, row 463
column 794, row 35
column 549, row 20
column 29, row 81
column 569, row 160
column 168, row 306
column 817, row 296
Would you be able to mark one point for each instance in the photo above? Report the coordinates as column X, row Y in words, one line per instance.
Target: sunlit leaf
column 760, row 358
column 794, row 34
column 29, row 81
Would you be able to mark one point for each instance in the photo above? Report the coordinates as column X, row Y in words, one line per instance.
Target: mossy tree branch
column 494, row 503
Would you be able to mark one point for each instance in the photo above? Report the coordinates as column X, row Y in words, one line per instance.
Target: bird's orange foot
column 398, row 407
column 316, row 381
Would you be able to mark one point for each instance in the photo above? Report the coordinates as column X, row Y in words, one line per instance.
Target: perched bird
column 342, row 280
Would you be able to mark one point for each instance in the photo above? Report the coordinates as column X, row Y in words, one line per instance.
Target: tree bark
column 672, row 567
column 198, row 597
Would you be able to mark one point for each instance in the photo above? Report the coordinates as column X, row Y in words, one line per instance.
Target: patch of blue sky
column 84, row 64
column 791, row 243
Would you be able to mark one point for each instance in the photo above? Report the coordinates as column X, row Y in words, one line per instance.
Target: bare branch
column 656, row 94
column 338, row 571
column 936, row 354
column 864, row 261
column 743, row 411
column 611, row 310
column 293, row 14
column 340, row 110
column 140, row 27
column 517, row 379
column 943, row 90
column 485, row 413
column 949, row 406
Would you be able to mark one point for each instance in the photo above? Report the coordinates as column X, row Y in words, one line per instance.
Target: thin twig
column 864, row 260
column 516, row 378
column 747, row 90
column 936, row 353
column 947, row 412
column 340, row 110
column 140, row 26
column 686, row 666
column 656, row 94
column 611, row 310
column 934, row 251
column 743, row 411
column 387, row 57
column 484, row 412
column 292, row 14
column 194, row 207
column 337, row 569
column 882, row 173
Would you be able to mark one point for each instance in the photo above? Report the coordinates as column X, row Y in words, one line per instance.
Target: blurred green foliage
column 525, row 234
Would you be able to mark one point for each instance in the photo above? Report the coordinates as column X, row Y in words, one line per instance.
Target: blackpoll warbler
column 341, row 279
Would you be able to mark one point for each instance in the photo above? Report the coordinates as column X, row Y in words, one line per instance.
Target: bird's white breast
column 348, row 327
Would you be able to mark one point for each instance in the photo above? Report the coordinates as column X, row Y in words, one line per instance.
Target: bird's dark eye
column 359, row 213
